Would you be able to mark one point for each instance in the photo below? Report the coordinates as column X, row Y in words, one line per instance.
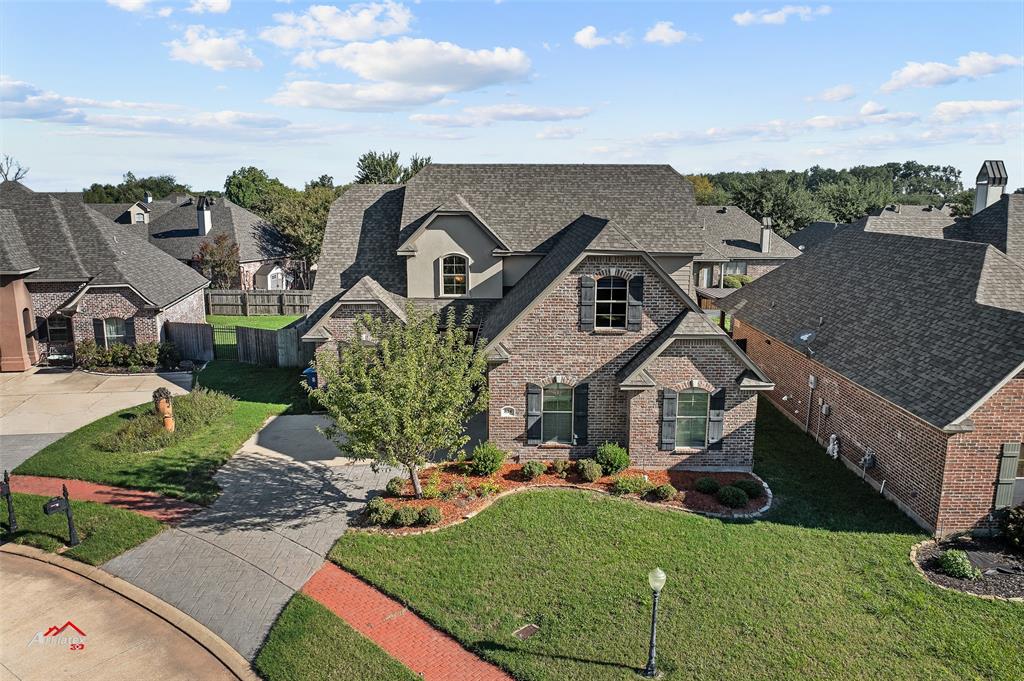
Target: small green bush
column 589, row 469
column 631, row 484
column 613, row 458
column 430, row 515
column 737, row 280
column 88, row 355
column 379, row 511
column 955, row 563
column 1013, row 528
column 395, row 486
column 486, row 459
column 733, row 497
column 752, row 488
column 406, row 516
column 533, row 469
column 167, row 355
column 455, row 490
column 432, row 490
column 664, row 492
column 487, row 488
column 560, row 467
column 143, row 355
column 706, row 485
column 120, row 354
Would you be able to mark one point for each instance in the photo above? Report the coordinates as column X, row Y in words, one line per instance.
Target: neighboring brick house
column 909, row 349
column 578, row 277
column 179, row 224
column 70, row 274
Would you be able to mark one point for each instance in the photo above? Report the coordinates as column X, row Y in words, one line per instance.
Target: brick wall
column 341, row 324
column 48, row 296
column 191, row 309
column 757, row 269
column 122, row 302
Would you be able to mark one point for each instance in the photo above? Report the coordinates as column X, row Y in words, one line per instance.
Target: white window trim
column 440, row 272
column 571, row 412
column 107, row 342
column 707, row 418
column 736, row 262
column 140, row 217
column 624, row 303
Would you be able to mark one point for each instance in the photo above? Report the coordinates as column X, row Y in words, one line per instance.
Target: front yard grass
column 821, row 588
column 185, row 468
column 257, row 322
column 309, row 641
column 104, row 531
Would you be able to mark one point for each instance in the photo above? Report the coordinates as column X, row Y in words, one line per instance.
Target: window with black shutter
column 587, row 286
column 533, row 411
column 611, row 303
column 716, row 419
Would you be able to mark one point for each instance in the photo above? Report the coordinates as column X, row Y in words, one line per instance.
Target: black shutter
column 129, row 331
column 587, row 300
column 716, row 419
column 635, row 308
column 98, row 333
column 533, row 396
column 667, row 442
column 42, row 331
column 580, row 396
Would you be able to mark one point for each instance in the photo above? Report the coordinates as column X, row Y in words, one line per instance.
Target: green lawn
column 308, row 642
column 185, row 469
column 104, row 531
column 257, row 322
column 821, row 588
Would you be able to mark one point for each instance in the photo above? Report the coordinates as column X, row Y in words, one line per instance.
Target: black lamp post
column 656, row 578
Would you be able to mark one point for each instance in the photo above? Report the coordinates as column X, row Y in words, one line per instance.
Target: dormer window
column 454, row 275
column 140, row 217
column 611, row 302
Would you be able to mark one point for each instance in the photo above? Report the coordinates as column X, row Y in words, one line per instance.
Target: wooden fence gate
column 193, row 341
column 273, row 348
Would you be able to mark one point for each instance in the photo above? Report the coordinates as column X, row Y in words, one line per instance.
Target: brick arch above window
column 615, row 272
column 691, row 384
column 564, row 379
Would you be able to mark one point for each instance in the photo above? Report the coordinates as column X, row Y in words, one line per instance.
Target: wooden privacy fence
column 273, row 348
column 256, row 302
column 193, row 341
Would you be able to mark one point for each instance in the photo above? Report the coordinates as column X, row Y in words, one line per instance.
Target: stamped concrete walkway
column 164, row 509
column 234, row 566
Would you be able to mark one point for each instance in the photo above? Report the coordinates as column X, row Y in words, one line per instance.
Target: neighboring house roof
column 931, row 325
column 176, row 231
column 15, row 257
column 70, row 241
column 814, row 234
column 933, row 222
column 267, row 268
column 735, row 235
column 527, row 205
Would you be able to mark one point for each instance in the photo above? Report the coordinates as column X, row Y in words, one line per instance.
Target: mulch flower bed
column 459, row 494
column 991, row 583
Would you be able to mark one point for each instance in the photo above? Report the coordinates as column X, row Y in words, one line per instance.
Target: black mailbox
column 5, row 489
column 55, row 505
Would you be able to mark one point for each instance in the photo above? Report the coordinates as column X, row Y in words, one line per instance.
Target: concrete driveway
column 40, row 405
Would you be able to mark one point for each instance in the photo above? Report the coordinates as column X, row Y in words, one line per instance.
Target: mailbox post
column 63, row 504
column 5, row 491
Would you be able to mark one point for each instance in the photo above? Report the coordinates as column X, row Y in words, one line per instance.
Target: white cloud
column 209, row 48
column 588, row 38
column 971, row 66
column 323, row 25
column 355, row 97
column 479, row 116
column 165, row 12
column 664, row 33
column 779, row 16
column 129, row 5
column 212, row 6
column 950, row 112
column 558, row 132
column 871, row 108
column 839, row 93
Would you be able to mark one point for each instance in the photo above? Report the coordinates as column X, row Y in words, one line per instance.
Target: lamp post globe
column 656, row 579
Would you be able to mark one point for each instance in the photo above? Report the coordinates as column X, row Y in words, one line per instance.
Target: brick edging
column 213, row 644
column 769, row 498
column 924, row 575
column 144, row 502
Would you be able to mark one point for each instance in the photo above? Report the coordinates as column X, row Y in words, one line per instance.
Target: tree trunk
column 414, row 476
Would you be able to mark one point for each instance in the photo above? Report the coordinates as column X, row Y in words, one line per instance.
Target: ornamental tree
column 401, row 391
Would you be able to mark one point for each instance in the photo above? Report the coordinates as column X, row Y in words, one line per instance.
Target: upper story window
column 611, row 303
column 556, row 417
column 736, row 267
column 692, row 419
column 454, row 275
column 114, row 331
column 140, row 217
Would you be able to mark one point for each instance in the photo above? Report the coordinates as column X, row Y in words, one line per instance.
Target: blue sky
column 197, row 88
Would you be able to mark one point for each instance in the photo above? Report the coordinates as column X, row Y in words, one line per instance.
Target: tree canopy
column 384, row 167
column 218, row 260
column 133, row 189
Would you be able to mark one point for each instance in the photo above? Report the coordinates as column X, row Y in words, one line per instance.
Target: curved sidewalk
column 155, row 505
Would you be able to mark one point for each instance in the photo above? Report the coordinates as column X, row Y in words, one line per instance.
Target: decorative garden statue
column 833, row 446
column 162, row 406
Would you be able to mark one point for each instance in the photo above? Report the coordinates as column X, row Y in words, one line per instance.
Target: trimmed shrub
column 88, row 355
column 664, row 492
column 143, row 355
column 733, row 497
column 405, row 516
column 395, row 486
column 432, row 490
column 486, row 459
column 613, row 458
column 589, row 469
column 1013, row 527
column 533, row 469
column 955, row 563
column 487, row 488
column 560, row 467
column 167, row 355
column 120, row 354
column 752, row 488
column 706, row 485
column 379, row 511
column 631, row 484
column 737, row 280
column 430, row 515
column 456, row 489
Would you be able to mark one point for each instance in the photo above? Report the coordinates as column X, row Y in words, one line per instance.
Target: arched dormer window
column 454, row 275
column 611, row 301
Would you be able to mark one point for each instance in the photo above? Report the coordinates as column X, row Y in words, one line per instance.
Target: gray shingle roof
column 15, row 257
column 734, row 234
column 72, row 242
column 934, row 222
column 687, row 322
column 175, row 231
column 912, row 319
column 814, row 234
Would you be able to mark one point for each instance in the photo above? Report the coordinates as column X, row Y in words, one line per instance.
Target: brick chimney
column 766, row 234
column 991, row 184
column 204, row 216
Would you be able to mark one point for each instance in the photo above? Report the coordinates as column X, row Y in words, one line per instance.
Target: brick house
column 907, row 345
column 581, row 282
column 70, row 274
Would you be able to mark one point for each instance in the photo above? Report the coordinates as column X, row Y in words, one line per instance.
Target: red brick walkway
column 402, row 634
column 154, row 505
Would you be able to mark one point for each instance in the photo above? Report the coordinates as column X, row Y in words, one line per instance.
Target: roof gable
column 455, row 205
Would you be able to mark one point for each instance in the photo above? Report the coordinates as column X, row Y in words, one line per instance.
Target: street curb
column 225, row 654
